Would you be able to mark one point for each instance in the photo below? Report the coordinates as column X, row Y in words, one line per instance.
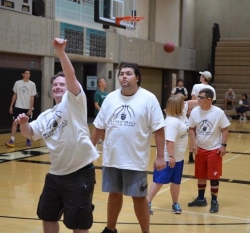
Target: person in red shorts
column 209, row 133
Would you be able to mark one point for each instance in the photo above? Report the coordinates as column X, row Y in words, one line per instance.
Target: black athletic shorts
column 69, row 195
column 17, row 111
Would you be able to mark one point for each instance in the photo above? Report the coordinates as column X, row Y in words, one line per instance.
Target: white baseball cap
column 206, row 74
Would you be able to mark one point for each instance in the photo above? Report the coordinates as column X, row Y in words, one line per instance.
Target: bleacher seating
column 232, row 70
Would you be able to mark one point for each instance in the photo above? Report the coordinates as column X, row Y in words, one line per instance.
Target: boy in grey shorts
column 129, row 116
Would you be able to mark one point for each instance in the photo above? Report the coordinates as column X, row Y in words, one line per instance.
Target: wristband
column 224, row 144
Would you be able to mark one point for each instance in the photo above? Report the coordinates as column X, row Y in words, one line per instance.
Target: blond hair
column 175, row 105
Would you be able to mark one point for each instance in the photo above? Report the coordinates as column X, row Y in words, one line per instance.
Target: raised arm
column 192, row 103
column 72, row 84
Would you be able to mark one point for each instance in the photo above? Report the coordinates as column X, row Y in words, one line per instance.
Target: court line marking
column 234, row 157
column 206, row 214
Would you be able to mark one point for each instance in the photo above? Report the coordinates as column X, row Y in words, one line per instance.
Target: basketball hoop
column 132, row 24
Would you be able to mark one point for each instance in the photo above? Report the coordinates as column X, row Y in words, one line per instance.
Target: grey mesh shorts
column 129, row 182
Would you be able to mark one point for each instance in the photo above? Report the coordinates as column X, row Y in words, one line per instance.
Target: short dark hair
column 245, row 96
column 209, row 93
column 61, row 73
column 24, row 70
column 136, row 69
column 98, row 81
column 180, row 80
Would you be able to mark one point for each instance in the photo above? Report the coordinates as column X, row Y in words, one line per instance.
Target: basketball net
column 132, row 24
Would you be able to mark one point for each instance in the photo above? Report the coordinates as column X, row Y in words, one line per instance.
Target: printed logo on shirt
column 54, row 125
column 124, row 116
column 215, row 173
column 204, row 127
column 24, row 90
column 103, row 96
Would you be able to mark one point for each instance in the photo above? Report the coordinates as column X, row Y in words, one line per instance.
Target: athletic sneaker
column 28, row 142
column 191, row 161
column 106, row 230
column 10, row 143
column 198, row 202
column 214, row 206
column 150, row 208
column 176, row 208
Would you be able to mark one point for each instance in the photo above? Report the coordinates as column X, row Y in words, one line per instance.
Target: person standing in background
column 180, row 89
column 99, row 97
column 100, row 94
column 23, row 98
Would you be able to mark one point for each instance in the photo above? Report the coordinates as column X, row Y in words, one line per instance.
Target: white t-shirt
column 24, row 91
column 65, row 131
column 176, row 131
column 208, row 126
column 197, row 87
column 129, row 122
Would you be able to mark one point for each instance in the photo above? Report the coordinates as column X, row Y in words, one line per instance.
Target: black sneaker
column 191, row 161
column 106, row 230
column 198, row 202
column 214, row 206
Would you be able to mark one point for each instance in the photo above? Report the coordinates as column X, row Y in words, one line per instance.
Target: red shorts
column 208, row 164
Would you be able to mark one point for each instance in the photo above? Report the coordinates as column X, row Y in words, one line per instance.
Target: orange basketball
column 169, row 47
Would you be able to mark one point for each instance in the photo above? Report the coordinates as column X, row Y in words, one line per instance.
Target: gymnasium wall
column 142, row 7
column 187, row 24
column 167, row 21
column 26, row 34
column 232, row 16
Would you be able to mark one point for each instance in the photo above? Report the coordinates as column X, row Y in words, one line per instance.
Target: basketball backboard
column 106, row 11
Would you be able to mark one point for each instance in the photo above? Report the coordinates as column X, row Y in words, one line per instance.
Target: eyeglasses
column 201, row 97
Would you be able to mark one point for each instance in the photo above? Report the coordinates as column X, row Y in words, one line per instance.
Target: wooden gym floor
column 22, row 173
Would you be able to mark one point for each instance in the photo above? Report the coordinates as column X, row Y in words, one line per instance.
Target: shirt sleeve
column 185, row 109
column 193, row 90
column 157, row 120
column 173, row 91
column 191, row 121
column 171, row 131
column 96, row 97
column 224, row 122
column 37, row 127
column 33, row 91
column 15, row 87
